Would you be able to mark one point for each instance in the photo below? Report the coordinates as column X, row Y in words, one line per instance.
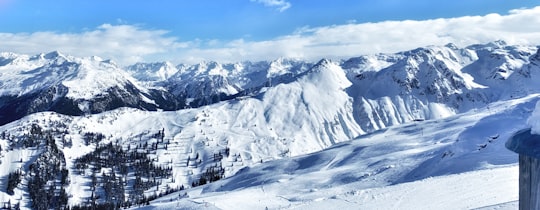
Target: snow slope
column 349, row 170
column 407, row 153
column 435, row 164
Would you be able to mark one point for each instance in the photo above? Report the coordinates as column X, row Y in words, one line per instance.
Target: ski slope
column 484, row 189
column 458, row 162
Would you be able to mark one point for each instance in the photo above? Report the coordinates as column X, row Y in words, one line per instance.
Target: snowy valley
column 421, row 129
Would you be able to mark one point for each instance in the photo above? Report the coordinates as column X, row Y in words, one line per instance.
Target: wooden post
column 527, row 145
column 529, row 176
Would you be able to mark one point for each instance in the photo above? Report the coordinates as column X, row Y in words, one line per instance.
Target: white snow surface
column 459, row 162
column 448, row 163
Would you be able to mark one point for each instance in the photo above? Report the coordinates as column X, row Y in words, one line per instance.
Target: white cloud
column 123, row 43
column 127, row 43
column 282, row 5
column 343, row 41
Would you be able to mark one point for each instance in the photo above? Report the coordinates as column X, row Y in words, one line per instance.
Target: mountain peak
column 500, row 43
column 96, row 58
column 110, row 61
column 324, row 62
column 452, row 46
column 52, row 55
column 328, row 75
column 8, row 54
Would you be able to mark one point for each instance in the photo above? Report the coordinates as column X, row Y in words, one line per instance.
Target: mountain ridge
column 444, row 72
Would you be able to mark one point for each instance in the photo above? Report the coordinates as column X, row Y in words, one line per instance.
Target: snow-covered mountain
column 457, row 162
column 210, row 82
column 152, row 72
column 70, row 85
column 119, row 136
column 387, row 89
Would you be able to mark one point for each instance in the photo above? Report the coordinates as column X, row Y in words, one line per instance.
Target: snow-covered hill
column 107, row 135
column 458, row 162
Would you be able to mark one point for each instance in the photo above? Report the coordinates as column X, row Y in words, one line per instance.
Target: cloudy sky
column 190, row 31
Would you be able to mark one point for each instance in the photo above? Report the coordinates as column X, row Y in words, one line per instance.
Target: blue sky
column 231, row 19
column 217, row 25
